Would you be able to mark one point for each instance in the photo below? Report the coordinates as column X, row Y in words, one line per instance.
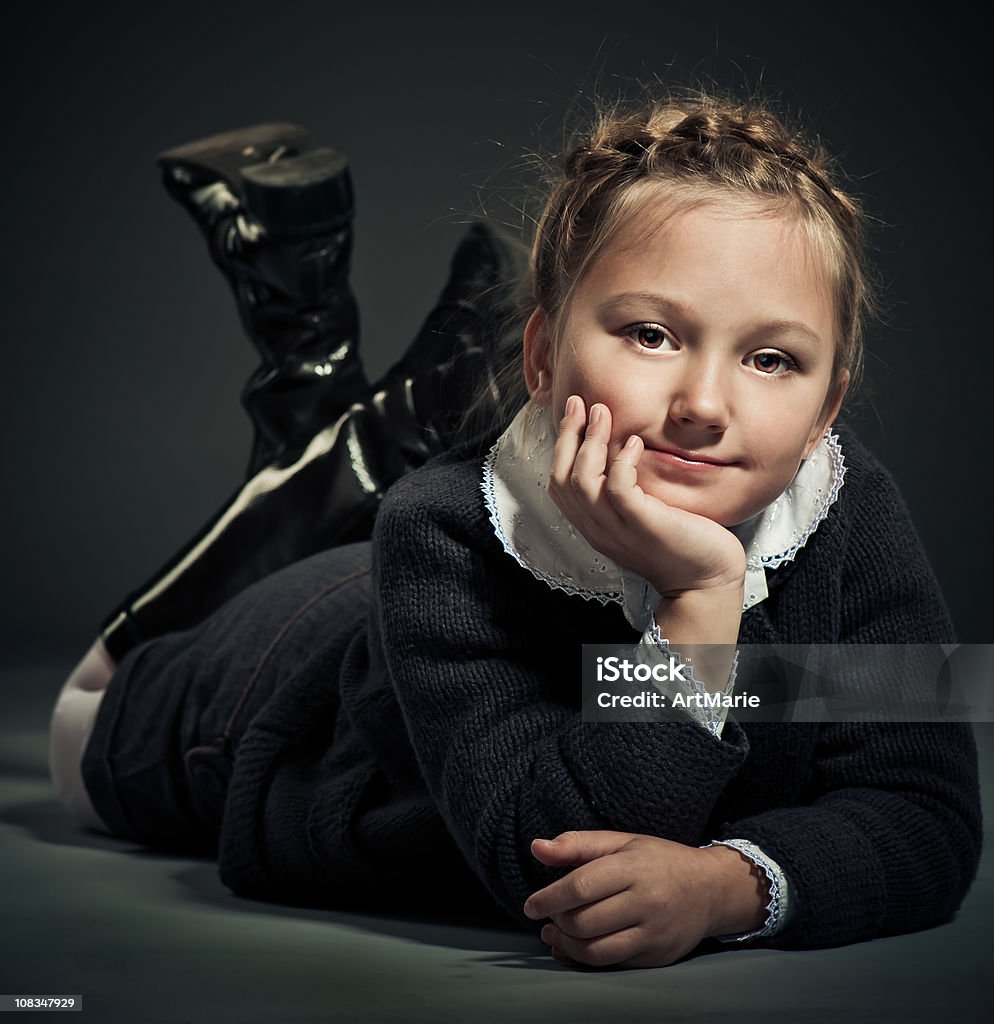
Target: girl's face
column 711, row 338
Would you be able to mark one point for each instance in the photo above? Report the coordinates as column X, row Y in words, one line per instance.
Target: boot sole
column 309, row 194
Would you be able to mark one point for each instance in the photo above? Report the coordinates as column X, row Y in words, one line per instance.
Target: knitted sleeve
column 889, row 839
column 504, row 758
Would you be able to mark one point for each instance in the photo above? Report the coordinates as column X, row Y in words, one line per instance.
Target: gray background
column 123, row 357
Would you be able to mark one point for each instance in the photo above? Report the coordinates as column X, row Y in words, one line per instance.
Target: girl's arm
column 891, row 836
column 891, row 841
column 474, row 663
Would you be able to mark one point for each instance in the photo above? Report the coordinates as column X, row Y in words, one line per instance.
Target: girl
column 399, row 720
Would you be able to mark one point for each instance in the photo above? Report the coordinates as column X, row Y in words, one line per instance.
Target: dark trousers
column 159, row 758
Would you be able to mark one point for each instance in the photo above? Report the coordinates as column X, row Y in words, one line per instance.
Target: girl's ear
column 538, row 357
column 829, row 414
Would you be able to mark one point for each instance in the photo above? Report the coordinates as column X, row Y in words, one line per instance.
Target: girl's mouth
column 690, row 462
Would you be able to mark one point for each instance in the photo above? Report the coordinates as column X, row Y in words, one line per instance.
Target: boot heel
column 310, row 194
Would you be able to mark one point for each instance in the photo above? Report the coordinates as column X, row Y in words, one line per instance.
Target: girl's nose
column 700, row 400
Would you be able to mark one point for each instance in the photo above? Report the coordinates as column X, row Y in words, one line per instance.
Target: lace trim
column 488, row 486
column 535, row 533
column 776, row 907
column 713, row 719
column 774, row 561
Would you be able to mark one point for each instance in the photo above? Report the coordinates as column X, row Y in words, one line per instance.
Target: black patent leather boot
column 328, row 493
column 455, row 360
column 277, row 217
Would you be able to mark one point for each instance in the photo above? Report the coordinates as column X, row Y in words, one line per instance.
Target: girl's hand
column 641, row 901
column 676, row 551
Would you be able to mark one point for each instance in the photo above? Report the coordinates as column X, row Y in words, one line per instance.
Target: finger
column 571, row 432
column 582, row 886
column 602, row 951
column 589, row 477
column 621, row 486
column 590, row 464
column 603, row 878
column 578, row 846
column 576, row 479
column 582, row 505
column 571, row 428
column 601, row 917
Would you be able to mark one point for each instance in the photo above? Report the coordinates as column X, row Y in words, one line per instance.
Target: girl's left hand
column 635, row 901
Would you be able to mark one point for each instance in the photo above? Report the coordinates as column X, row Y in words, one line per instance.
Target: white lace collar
column 539, row 537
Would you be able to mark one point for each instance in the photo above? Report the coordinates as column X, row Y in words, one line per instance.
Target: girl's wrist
column 739, row 892
column 707, row 616
column 731, row 582
column 704, row 627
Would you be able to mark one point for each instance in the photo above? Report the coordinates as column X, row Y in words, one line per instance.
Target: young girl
column 399, row 721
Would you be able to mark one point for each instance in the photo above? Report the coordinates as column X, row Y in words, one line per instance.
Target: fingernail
column 632, row 441
column 529, row 909
column 570, row 405
column 595, row 416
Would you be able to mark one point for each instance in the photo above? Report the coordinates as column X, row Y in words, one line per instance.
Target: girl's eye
column 773, row 364
column 652, row 337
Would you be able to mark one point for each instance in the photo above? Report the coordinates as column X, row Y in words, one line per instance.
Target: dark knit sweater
column 421, row 756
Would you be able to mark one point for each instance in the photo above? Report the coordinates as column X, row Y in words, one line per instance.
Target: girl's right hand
column 676, row 551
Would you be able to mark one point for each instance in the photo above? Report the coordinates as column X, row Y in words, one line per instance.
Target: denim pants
column 158, row 761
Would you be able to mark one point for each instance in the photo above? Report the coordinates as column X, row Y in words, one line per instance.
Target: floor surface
column 151, row 939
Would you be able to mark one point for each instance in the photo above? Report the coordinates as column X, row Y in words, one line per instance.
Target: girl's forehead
column 711, row 226
column 721, row 257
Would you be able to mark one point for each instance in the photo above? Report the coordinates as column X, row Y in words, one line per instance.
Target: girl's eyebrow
column 795, row 327
column 661, row 302
column 664, row 305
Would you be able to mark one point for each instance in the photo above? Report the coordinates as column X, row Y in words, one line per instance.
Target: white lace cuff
column 654, row 648
column 778, row 909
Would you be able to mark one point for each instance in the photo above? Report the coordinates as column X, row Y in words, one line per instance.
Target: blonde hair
column 691, row 149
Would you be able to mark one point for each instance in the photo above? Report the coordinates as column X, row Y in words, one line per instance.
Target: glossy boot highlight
column 327, row 495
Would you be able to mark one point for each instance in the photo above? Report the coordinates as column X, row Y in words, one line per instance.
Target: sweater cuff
column 778, row 908
column 654, row 648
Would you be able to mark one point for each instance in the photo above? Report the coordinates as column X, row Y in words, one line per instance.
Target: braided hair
column 692, row 152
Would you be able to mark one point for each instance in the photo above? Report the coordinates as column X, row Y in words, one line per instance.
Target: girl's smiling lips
column 689, row 461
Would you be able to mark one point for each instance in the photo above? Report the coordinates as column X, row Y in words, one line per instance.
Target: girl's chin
column 697, row 502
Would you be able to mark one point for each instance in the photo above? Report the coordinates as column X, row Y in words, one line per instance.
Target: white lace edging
column 713, row 719
column 778, row 533
column 488, row 486
column 777, row 905
column 775, row 560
